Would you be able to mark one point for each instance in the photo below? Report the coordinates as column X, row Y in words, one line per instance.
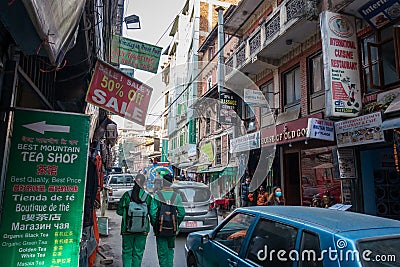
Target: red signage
column 287, row 132
column 112, row 90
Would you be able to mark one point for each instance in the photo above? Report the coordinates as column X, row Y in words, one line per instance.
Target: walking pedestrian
column 276, row 198
column 244, row 194
column 134, row 240
column 165, row 242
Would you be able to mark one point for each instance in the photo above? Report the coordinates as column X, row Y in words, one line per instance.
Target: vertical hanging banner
column 227, row 108
column 136, row 54
column 112, row 90
column 42, row 215
column 341, row 66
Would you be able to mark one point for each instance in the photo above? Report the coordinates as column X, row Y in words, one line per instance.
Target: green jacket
column 156, row 204
column 123, row 206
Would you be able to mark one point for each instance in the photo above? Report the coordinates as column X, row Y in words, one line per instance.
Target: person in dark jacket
column 244, row 193
column 133, row 244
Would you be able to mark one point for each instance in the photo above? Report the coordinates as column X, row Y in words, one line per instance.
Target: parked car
column 201, row 213
column 296, row 236
column 117, row 185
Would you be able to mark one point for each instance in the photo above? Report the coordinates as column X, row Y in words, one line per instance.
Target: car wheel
column 191, row 262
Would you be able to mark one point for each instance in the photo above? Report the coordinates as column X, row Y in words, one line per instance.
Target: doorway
column 292, row 179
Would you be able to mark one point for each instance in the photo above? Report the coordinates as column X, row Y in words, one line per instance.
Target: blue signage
column 380, row 12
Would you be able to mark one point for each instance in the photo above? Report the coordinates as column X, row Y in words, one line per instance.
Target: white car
column 117, row 185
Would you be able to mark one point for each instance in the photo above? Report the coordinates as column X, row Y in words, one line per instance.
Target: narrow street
column 110, row 246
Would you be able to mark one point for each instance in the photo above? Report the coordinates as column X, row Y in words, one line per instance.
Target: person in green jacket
column 133, row 244
column 165, row 245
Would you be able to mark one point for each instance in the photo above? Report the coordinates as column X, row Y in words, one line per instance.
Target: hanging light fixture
column 132, row 22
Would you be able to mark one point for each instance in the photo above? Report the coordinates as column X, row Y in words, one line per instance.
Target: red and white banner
column 112, row 90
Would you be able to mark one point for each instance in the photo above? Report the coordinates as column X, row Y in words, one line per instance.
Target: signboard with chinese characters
column 112, row 90
column 227, row 108
column 359, row 131
column 320, row 129
column 43, row 200
column 135, row 54
column 245, row 143
column 341, row 66
column 380, row 12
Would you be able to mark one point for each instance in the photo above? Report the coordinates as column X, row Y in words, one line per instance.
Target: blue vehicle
column 296, row 236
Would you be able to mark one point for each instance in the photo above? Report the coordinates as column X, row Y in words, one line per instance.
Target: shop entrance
column 292, row 179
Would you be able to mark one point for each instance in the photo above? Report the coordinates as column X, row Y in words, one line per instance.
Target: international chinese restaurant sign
column 43, row 200
column 113, row 90
column 341, row 66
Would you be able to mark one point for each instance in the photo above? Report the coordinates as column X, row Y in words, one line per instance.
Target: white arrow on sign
column 42, row 127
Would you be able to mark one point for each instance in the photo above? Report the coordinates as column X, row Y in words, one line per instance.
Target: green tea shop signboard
column 41, row 222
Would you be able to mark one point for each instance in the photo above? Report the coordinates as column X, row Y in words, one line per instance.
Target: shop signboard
column 206, row 153
column 42, row 214
column 245, row 143
column 346, row 160
column 254, row 98
column 362, row 130
column 135, row 54
column 320, row 129
column 396, row 148
column 112, row 90
column 380, row 12
column 227, row 108
column 292, row 131
column 341, row 66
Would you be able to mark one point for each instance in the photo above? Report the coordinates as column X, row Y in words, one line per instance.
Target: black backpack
column 167, row 218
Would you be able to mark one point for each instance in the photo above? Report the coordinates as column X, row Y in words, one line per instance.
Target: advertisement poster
column 362, row 130
column 43, row 200
column 320, row 129
column 347, row 167
column 135, row 54
column 245, row 143
column 227, row 108
column 379, row 13
column 118, row 93
column 341, row 66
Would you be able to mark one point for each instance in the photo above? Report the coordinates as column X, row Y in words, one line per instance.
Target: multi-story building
column 332, row 60
column 190, row 29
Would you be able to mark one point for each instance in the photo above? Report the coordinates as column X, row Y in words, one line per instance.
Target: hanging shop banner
column 227, row 108
column 360, row 131
column 380, row 12
column 341, row 66
column 320, row 129
column 135, row 54
column 254, row 98
column 206, row 153
column 346, row 160
column 245, row 143
column 43, row 200
column 118, row 93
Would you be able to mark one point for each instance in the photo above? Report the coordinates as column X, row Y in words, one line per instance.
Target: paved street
column 110, row 246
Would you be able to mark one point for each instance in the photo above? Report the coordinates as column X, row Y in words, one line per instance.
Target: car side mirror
column 205, row 238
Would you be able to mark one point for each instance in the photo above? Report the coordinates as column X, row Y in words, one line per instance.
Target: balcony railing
column 275, row 25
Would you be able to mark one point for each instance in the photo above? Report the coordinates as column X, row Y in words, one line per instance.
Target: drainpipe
column 220, row 73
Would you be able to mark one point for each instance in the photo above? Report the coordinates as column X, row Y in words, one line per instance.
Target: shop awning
column 391, row 123
column 216, row 169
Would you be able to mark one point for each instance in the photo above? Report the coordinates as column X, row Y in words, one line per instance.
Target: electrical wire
column 166, row 30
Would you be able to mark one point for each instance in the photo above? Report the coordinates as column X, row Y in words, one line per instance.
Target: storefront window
column 319, row 186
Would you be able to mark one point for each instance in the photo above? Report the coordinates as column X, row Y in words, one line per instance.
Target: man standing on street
column 166, row 245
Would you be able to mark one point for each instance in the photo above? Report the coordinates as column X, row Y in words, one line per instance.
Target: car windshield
column 192, row 194
column 381, row 252
column 120, row 179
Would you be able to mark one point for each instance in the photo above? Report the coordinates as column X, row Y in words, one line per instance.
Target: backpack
column 137, row 215
column 167, row 218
